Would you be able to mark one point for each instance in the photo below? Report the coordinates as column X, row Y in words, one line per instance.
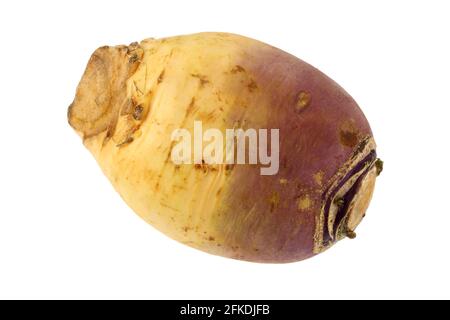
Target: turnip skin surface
column 131, row 98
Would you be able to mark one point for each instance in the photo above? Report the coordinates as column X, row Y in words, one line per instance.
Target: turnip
column 132, row 100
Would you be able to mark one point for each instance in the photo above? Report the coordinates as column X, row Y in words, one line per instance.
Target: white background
column 64, row 233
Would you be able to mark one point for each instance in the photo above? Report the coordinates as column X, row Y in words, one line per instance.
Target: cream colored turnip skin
column 131, row 99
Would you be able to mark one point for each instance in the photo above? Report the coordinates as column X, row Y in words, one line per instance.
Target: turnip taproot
column 132, row 98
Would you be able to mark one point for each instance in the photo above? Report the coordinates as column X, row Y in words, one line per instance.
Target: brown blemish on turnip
column 161, row 77
column 133, row 46
column 283, row 181
column 133, row 115
column 205, row 167
column 137, row 113
column 108, row 135
column 229, row 168
column 210, row 116
column 318, row 178
column 252, row 86
column 190, row 106
column 348, row 135
column 274, row 201
column 348, row 138
column 133, row 58
column 237, row 69
column 203, row 79
column 169, row 207
column 304, row 203
column 133, row 52
column 127, row 140
column 303, row 100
